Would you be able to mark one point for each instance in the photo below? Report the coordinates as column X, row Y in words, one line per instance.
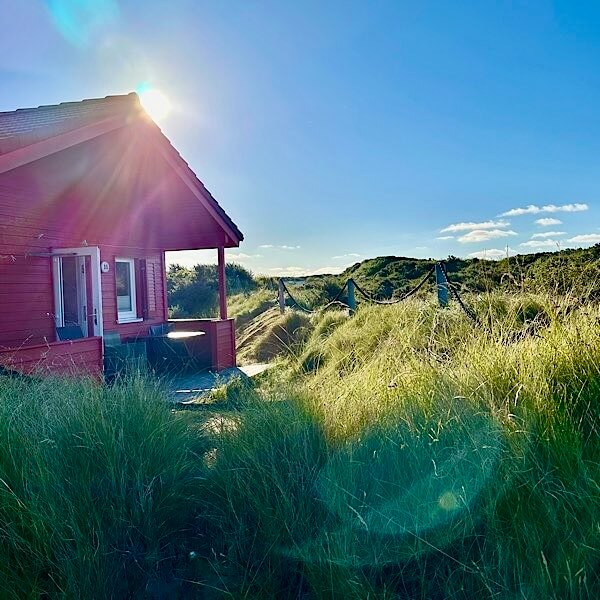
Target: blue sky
column 336, row 131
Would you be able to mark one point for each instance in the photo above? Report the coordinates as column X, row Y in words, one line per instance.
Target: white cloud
column 533, row 209
column 328, row 270
column 241, row 256
column 349, row 255
column 491, row 254
column 540, row 244
column 288, row 271
column 471, row 226
column 283, row 247
column 303, row 271
column 189, row 258
column 483, row 235
column 547, row 234
column 445, row 237
column 548, row 221
column 588, row 238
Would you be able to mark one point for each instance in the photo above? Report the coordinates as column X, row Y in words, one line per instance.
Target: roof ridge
column 129, row 97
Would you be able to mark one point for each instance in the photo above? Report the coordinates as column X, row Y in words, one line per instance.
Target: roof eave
column 37, row 150
column 190, row 179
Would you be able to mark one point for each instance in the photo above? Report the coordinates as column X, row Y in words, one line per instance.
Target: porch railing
column 64, row 358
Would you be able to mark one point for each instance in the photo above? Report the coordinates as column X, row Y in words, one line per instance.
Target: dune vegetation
column 399, row 453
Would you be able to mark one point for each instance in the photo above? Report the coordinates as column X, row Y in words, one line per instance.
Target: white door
column 77, row 289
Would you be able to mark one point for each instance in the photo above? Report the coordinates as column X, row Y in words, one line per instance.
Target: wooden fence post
column 281, row 296
column 351, row 297
column 442, row 285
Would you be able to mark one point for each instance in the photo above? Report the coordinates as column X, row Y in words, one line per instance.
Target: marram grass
column 98, row 488
column 403, row 453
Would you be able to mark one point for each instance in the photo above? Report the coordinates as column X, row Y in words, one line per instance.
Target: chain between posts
column 336, row 301
column 397, row 300
column 294, row 301
column 468, row 311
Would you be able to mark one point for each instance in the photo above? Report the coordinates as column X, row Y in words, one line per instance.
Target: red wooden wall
column 59, row 358
column 26, row 296
column 220, row 335
column 154, row 284
column 26, row 292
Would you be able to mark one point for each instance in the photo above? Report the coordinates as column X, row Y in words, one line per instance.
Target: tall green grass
column 425, row 457
column 402, row 453
column 245, row 307
column 99, row 489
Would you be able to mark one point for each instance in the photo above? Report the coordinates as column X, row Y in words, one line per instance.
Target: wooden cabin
column 92, row 194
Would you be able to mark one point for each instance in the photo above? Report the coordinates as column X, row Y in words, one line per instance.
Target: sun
column 155, row 103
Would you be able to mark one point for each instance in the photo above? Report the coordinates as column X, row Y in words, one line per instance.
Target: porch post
column 222, row 282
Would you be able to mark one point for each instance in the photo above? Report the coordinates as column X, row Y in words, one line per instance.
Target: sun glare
column 155, row 103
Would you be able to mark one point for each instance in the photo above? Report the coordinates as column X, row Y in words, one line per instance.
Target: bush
column 194, row 293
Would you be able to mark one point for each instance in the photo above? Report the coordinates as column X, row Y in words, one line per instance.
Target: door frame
column 81, row 290
column 96, row 282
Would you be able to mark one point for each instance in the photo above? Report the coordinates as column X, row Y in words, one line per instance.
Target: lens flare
column 84, row 23
column 155, row 103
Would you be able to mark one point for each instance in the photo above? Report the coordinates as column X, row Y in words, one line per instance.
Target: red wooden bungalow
column 92, row 194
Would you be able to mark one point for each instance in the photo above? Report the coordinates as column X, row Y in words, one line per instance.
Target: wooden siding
column 221, row 338
column 26, row 294
column 155, row 295
column 225, row 344
column 116, row 189
column 69, row 358
column 26, row 290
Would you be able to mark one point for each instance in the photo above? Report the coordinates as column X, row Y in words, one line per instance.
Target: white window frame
column 127, row 316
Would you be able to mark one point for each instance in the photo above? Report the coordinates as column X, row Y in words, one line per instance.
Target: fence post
column 351, row 296
column 281, row 296
column 442, row 285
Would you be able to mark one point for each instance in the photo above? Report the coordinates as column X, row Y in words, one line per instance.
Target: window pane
column 70, row 293
column 123, row 276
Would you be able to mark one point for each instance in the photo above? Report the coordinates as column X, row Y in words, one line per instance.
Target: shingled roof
column 27, row 126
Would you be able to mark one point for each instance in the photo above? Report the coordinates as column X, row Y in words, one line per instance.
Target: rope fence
column 443, row 284
column 294, row 301
column 370, row 298
column 468, row 311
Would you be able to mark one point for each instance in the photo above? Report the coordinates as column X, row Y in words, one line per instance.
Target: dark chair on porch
column 175, row 351
column 69, row 332
column 123, row 358
column 158, row 330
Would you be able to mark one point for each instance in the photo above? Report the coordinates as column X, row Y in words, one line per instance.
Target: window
column 125, row 282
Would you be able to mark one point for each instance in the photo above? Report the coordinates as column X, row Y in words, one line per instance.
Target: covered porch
column 78, row 320
column 177, row 346
column 173, row 346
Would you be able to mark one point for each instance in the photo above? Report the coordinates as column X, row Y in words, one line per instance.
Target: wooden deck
column 190, row 387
